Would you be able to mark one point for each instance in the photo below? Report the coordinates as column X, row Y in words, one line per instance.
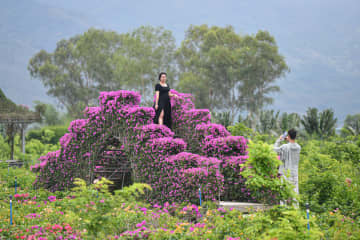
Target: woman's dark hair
column 160, row 74
column 292, row 133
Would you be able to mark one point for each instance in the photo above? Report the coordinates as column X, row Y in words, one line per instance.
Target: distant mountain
column 319, row 39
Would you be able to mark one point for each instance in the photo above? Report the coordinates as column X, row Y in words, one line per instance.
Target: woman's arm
column 172, row 95
column 157, row 93
column 157, row 98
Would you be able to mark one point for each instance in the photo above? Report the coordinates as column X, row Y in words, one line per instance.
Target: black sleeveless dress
column 164, row 103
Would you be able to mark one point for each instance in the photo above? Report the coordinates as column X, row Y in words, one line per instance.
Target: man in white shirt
column 289, row 154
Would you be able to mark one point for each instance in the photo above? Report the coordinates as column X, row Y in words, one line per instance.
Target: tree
column 320, row 124
column 191, row 83
column 2, row 131
column 100, row 60
column 268, row 122
column 288, row 121
column 352, row 125
column 49, row 114
column 310, row 121
column 261, row 66
column 223, row 118
column 145, row 53
column 237, row 72
column 240, row 129
column 327, row 123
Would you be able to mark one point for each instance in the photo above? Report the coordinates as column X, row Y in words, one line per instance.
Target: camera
column 284, row 135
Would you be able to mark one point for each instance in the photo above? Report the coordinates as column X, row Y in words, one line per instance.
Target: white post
column 23, row 138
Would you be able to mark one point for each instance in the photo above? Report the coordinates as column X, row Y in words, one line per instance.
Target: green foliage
column 223, row 118
column 336, row 226
column 249, row 121
column 84, row 190
column 329, row 177
column 48, row 134
column 327, row 123
column 351, row 125
column 321, row 124
column 310, row 121
column 34, row 148
column 239, row 129
column 270, row 139
column 342, row 149
column 99, row 203
column 2, row 130
column 283, row 223
column 288, row 121
column 317, row 187
column 4, row 149
column 49, row 114
column 133, row 192
column 261, row 172
column 218, row 58
column 25, row 178
column 191, row 83
column 268, row 122
column 103, row 60
column 92, row 212
column 220, row 67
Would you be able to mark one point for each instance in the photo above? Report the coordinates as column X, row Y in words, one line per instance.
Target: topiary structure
column 118, row 140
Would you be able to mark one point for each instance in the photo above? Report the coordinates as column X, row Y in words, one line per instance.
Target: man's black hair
column 292, row 133
column 160, row 74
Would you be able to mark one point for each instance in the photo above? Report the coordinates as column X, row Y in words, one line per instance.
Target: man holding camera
column 289, row 154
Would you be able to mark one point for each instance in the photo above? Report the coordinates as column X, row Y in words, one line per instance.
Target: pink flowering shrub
column 226, row 146
column 118, row 99
column 65, row 140
column 178, row 107
column 150, row 166
column 205, row 132
column 119, row 134
column 232, row 151
column 234, row 184
column 87, row 140
column 188, row 122
column 191, row 172
column 177, row 178
column 152, row 131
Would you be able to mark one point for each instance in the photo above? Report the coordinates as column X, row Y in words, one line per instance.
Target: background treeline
column 314, row 124
column 222, row 69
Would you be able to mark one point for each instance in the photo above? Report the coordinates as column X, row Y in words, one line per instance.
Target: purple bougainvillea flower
column 52, row 198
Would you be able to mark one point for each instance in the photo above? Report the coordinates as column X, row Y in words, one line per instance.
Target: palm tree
column 321, row 124
column 352, row 124
column 310, row 121
column 288, row 121
column 327, row 123
column 268, row 122
column 223, row 118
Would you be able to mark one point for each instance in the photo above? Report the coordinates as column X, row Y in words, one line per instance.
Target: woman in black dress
column 162, row 103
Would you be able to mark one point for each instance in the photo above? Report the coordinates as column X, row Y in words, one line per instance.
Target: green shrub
column 239, row 129
column 48, row 134
column 261, row 174
column 329, row 178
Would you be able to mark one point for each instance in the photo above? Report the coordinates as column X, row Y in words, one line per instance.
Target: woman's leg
column 161, row 117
